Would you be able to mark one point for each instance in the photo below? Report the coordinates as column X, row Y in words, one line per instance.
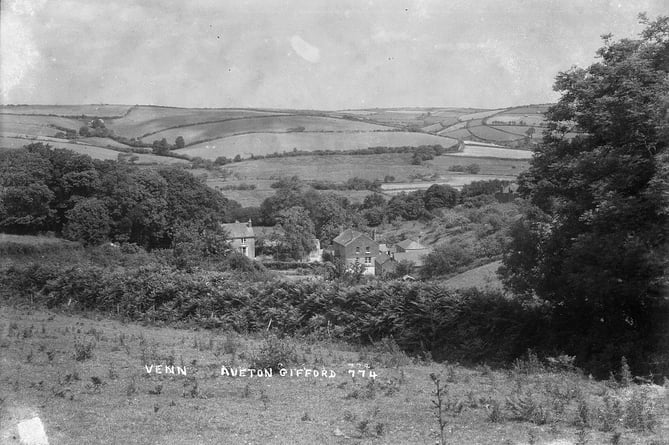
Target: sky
column 308, row 54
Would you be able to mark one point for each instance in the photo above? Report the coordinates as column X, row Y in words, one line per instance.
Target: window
column 368, row 260
column 357, row 250
column 244, row 251
column 367, row 249
column 243, row 240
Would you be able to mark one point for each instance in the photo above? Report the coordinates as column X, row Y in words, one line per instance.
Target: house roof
column 348, row 236
column 239, row 230
column 382, row 259
column 386, row 248
column 411, row 245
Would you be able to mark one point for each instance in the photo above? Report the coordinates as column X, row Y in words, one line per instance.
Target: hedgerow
column 467, row 326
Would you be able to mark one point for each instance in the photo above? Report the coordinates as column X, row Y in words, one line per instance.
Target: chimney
column 248, row 224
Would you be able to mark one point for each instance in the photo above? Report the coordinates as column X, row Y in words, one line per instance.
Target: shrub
column 83, row 350
column 275, row 353
column 445, row 259
column 639, row 410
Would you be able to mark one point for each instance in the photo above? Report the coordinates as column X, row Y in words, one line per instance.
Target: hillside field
column 340, row 168
column 268, row 143
column 143, row 120
column 262, row 124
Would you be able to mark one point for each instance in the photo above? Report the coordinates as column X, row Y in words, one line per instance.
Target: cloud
column 304, row 49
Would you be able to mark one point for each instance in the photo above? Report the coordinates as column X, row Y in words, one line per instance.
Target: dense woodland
column 584, row 248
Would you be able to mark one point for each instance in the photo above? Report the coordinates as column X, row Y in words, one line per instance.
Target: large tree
column 594, row 242
column 88, row 222
column 297, row 238
column 24, row 196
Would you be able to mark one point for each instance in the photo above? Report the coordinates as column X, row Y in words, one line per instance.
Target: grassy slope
column 143, row 120
column 260, row 124
column 340, row 168
column 482, row 277
column 264, row 143
column 343, row 167
column 41, row 376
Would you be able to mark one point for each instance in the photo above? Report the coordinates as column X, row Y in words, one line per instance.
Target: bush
column 286, row 265
column 275, row 353
column 445, row 259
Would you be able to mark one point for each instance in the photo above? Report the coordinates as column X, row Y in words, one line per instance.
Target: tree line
column 89, row 200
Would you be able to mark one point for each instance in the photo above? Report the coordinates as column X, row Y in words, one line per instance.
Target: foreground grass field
column 87, row 379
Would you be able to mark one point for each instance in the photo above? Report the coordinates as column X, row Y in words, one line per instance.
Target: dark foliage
column 467, row 326
column 594, row 242
column 44, row 189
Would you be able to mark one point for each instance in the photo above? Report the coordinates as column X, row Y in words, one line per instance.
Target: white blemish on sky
column 304, row 49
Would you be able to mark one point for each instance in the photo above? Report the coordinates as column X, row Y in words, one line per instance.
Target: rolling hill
column 496, row 140
column 209, row 133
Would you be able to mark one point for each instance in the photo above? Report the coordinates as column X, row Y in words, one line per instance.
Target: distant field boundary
column 72, row 116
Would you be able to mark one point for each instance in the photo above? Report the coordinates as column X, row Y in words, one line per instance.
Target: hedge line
column 468, row 326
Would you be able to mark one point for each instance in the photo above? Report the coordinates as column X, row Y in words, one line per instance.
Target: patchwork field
column 340, row 168
column 211, row 133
